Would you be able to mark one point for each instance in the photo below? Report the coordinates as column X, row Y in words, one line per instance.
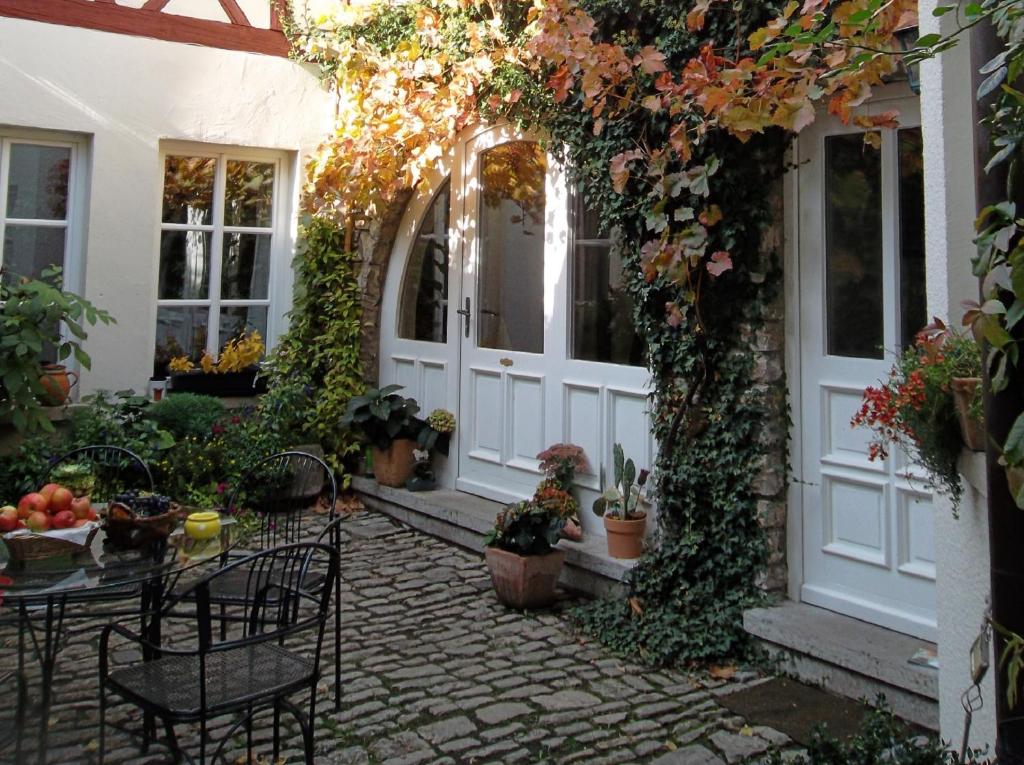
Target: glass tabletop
column 101, row 571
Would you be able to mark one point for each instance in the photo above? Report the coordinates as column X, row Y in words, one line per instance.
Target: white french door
column 868, row 540
column 505, row 303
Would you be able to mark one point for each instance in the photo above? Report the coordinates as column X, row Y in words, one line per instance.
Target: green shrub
column 882, row 738
column 186, row 414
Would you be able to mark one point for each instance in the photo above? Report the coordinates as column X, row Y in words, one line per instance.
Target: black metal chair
column 278, row 489
column 267, row 659
column 115, row 469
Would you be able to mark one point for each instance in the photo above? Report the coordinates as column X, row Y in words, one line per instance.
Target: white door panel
column 868, row 548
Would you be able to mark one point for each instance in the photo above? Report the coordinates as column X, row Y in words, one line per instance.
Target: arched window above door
column 423, row 306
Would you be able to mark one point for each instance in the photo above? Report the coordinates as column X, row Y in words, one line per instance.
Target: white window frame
column 278, row 231
column 76, row 203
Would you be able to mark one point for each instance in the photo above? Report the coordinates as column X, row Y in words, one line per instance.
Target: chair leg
column 103, row 723
column 307, row 728
column 248, row 733
column 172, row 742
column 202, row 741
column 337, row 644
column 277, row 729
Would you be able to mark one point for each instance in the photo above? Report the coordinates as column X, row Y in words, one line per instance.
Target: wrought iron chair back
column 278, row 488
column 115, row 469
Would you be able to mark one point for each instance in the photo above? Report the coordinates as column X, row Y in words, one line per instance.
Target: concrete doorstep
column 464, row 519
column 849, row 657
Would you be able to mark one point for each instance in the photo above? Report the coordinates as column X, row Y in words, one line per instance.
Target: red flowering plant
column 913, row 410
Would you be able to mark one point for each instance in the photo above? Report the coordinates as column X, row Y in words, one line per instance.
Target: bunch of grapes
column 143, row 503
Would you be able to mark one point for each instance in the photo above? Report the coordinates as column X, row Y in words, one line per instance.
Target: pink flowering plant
column 561, row 462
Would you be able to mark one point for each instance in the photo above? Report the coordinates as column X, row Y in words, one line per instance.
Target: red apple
column 8, row 518
column 65, row 519
column 80, row 507
column 60, row 500
column 38, row 521
column 91, row 515
column 80, row 522
column 31, row 503
column 48, row 490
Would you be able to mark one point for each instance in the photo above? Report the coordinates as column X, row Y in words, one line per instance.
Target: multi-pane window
column 216, row 242
column 35, row 205
column 601, row 306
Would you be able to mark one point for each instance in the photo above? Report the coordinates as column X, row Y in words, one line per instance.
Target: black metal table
column 35, row 595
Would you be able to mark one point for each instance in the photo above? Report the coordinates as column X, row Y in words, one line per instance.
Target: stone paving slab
column 436, row 671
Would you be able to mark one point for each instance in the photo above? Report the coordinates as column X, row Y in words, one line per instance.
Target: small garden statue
column 435, row 435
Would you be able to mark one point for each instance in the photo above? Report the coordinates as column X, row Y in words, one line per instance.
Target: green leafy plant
column 186, row 414
column 526, row 528
column 315, row 368
column 382, row 416
column 914, row 408
column 882, row 737
column 38, row 318
column 620, row 500
column 435, row 434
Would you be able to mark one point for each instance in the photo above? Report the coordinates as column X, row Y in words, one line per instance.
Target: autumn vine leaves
column 403, row 99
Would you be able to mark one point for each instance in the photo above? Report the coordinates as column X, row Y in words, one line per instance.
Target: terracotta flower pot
column 394, row 466
column 56, row 383
column 972, row 430
column 524, row 581
column 625, row 538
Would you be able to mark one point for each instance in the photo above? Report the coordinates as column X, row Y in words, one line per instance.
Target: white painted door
column 548, row 351
column 868, row 546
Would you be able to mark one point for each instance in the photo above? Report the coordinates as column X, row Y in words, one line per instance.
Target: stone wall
column 766, row 337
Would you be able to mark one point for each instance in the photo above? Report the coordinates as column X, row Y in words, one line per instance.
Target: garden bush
column 186, row 414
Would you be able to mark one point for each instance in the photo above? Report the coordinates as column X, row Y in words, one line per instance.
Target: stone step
column 849, row 657
column 464, row 519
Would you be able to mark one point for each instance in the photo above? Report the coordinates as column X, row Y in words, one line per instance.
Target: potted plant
column 560, row 464
column 235, row 372
column 32, row 315
column 521, row 554
column 624, row 523
column 388, row 422
column 916, row 408
column 435, row 435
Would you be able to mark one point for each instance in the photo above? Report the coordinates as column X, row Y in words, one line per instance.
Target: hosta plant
column 527, row 528
column 914, row 410
column 383, row 416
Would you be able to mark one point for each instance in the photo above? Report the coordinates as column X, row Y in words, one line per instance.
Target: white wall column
column 961, row 544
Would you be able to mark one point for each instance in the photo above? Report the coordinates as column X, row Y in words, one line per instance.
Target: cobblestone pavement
column 436, row 671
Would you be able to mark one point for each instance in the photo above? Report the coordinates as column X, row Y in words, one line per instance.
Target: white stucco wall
column 126, row 95
column 962, row 600
column 962, row 556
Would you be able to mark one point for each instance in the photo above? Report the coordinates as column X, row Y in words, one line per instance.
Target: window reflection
column 602, row 308
column 423, row 303
column 853, row 247
column 510, row 291
column 913, row 293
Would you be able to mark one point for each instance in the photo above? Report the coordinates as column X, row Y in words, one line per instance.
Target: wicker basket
column 25, row 547
column 132, row 533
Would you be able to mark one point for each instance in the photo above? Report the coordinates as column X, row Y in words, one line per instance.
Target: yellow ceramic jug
column 204, row 525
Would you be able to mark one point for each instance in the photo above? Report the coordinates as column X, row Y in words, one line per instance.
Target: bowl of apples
column 48, row 523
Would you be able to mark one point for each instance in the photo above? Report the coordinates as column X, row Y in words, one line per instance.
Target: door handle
column 465, row 313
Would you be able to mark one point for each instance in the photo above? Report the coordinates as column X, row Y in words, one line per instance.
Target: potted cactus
column 624, row 523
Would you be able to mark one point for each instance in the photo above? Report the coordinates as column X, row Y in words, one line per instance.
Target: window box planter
column 246, row 383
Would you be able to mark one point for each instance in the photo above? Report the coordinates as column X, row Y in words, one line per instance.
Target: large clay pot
column 394, row 466
column 524, row 581
column 972, row 430
column 625, row 538
column 56, row 383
